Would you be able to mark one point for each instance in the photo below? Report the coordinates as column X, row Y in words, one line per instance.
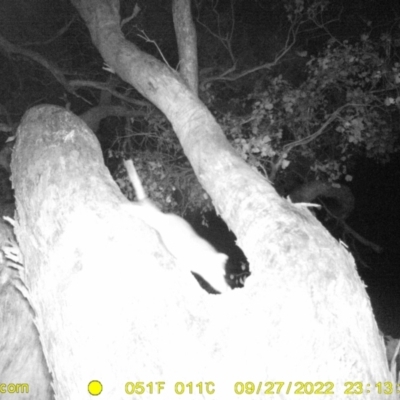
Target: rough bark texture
column 187, row 43
column 98, row 281
column 110, row 305
column 21, row 355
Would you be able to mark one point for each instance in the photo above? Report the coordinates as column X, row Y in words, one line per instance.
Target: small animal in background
column 180, row 239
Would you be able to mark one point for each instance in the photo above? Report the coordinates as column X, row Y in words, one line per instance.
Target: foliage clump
column 347, row 107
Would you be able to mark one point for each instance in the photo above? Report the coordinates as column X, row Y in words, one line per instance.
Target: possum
column 180, row 239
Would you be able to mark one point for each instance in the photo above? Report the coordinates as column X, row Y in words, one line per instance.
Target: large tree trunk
column 23, row 369
column 96, row 276
column 110, row 303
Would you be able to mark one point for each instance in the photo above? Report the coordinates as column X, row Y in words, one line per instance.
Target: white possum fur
column 180, row 239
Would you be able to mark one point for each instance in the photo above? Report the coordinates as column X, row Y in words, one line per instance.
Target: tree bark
column 187, row 43
column 92, row 269
column 110, row 303
column 21, row 357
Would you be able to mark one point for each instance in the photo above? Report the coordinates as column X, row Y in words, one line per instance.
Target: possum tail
column 135, row 180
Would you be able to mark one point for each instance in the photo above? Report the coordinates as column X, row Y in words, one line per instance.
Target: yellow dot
column 95, row 388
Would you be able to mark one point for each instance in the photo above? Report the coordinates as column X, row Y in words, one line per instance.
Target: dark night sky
column 376, row 217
